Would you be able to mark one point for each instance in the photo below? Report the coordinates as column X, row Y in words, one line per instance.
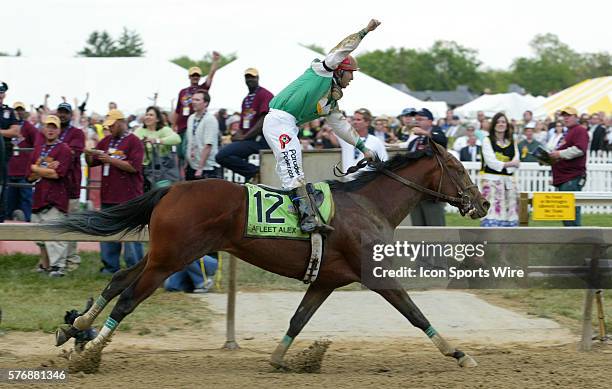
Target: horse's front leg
column 314, row 297
column 403, row 303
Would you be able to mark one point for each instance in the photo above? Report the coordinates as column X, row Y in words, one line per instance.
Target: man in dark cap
column 424, row 128
column 427, row 212
column 9, row 128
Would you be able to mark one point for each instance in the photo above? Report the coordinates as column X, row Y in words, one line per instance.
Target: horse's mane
column 365, row 176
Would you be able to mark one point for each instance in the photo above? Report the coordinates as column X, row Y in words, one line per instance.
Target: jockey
column 312, row 95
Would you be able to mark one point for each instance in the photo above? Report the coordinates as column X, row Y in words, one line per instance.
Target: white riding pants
column 281, row 132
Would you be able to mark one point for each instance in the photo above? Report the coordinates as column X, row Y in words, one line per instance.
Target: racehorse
column 190, row 219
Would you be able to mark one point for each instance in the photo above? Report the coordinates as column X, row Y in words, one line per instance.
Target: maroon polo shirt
column 254, row 106
column 75, row 139
column 51, row 192
column 568, row 169
column 18, row 165
column 184, row 101
column 120, row 186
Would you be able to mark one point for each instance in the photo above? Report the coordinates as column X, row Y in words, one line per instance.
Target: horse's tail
column 133, row 215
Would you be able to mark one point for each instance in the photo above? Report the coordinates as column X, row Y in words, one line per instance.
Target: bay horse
column 191, row 219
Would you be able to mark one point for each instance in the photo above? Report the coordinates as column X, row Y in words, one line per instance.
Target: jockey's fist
column 372, row 25
column 216, row 56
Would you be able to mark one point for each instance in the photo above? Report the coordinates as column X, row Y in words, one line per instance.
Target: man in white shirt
column 462, row 141
column 350, row 154
column 202, row 140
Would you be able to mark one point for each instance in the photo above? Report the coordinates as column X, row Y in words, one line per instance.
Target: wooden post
column 592, row 285
column 524, row 209
column 230, row 337
column 587, row 323
column 600, row 315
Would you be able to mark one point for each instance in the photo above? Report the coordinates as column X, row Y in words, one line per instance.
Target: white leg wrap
column 443, row 345
column 84, row 322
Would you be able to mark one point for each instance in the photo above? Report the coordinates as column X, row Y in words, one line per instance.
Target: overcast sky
column 499, row 30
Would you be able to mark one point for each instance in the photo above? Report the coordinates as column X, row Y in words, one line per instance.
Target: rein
column 463, row 200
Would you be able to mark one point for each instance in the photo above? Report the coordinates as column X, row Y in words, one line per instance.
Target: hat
column 423, row 112
column 407, row 111
column 195, row 70
column 65, row 107
column 381, row 118
column 19, row 104
column 251, row 72
column 112, row 116
column 232, row 119
column 52, row 119
column 569, row 111
column 3, row 87
column 531, row 125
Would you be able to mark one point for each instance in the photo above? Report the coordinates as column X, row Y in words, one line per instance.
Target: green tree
column 596, row 65
column 17, row 54
column 129, row 44
column 555, row 66
column 204, row 63
column 99, row 44
column 443, row 66
column 102, row 44
column 497, row 81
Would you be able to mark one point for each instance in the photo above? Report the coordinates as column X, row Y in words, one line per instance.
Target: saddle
column 272, row 215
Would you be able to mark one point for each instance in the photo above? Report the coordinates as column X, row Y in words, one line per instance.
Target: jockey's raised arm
column 347, row 45
column 343, row 129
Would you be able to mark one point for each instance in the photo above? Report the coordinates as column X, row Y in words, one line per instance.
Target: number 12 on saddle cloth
column 271, row 214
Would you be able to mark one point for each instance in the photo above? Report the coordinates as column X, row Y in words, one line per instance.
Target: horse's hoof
column 279, row 365
column 61, row 336
column 467, row 361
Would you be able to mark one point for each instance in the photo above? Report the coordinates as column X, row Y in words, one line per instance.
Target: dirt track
column 346, row 365
column 187, row 358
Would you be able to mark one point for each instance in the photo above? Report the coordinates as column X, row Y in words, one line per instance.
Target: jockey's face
column 345, row 79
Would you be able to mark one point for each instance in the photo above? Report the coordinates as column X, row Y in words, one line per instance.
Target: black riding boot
column 310, row 221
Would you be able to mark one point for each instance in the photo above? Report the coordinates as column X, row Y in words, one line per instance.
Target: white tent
column 130, row 82
column 279, row 67
column 513, row 104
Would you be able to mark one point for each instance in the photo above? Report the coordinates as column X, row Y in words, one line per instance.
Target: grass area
column 31, row 301
column 593, row 220
column 563, row 305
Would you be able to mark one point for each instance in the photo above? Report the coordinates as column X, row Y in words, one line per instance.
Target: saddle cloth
column 271, row 214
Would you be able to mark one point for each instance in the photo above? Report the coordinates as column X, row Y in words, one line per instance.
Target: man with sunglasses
column 313, row 95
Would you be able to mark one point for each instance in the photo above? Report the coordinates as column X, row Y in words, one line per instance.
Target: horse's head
column 452, row 179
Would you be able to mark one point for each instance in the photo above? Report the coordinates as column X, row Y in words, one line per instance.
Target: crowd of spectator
column 137, row 153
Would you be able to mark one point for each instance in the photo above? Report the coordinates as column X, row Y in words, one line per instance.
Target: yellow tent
column 592, row 95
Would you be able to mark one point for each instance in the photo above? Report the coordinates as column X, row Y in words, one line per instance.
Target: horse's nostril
column 486, row 205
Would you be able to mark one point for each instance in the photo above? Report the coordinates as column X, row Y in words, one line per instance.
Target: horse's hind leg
column 120, row 281
column 403, row 303
column 312, row 300
column 146, row 282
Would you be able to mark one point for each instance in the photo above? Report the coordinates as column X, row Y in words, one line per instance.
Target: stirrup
column 310, row 219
